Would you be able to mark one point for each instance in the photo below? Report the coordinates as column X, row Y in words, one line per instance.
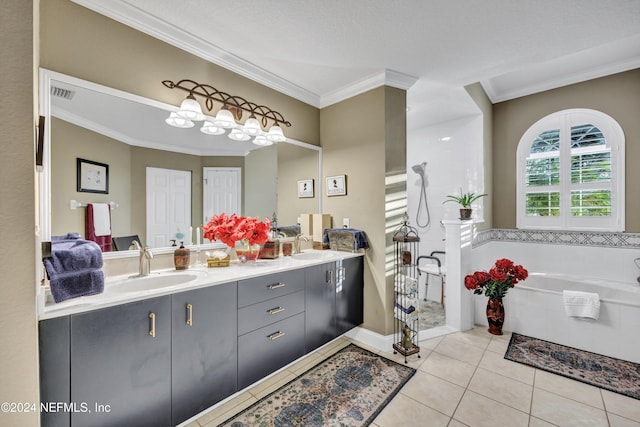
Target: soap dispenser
column 181, row 257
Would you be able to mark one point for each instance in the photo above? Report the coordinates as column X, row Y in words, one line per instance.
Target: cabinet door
column 204, row 345
column 349, row 294
column 55, row 365
column 320, row 305
column 268, row 349
column 118, row 369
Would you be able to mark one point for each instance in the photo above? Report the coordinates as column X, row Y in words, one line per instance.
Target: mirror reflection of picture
column 305, row 188
column 92, row 177
column 337, row 185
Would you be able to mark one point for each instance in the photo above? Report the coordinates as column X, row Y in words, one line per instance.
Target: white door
column 222, row 192
column 168, row 206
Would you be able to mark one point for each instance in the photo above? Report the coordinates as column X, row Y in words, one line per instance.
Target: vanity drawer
column 268, row 349
column 264, row 313
column 258, row 289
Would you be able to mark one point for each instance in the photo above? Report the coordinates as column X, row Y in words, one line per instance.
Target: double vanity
column 159, row 349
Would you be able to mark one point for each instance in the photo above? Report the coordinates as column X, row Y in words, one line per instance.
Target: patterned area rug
column 618, row 376
column 349, row 388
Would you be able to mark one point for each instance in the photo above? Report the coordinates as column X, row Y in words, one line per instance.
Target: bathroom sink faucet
column 145, row 259
column 296, row 243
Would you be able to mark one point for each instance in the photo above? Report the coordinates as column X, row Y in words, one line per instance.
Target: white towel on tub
column 581, row 304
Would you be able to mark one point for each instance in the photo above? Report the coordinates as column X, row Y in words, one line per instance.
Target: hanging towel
column 581, row 304
column 98, row 225
column 74, row 269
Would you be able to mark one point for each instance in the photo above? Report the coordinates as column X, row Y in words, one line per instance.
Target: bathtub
column 535, row 308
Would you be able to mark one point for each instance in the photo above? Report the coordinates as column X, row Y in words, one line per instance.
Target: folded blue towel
column 74, row 268
column 76, row 284
column 359, row 237
column 73, row 255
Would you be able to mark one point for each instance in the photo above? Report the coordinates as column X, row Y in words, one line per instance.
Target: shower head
column 419, row 169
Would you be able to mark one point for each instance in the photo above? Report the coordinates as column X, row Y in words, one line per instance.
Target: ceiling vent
column 62, row 93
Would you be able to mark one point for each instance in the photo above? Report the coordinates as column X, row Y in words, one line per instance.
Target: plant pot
column 495, row 315
column 465, row 213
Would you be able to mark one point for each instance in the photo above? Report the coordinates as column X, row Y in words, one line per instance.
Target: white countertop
column 199, row 277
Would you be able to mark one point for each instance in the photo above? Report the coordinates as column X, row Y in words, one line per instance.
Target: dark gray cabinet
column 55, row 368
column 204, row 346
column 271, row 324
column 121, row 364
column 160, row 361
column 334, row 300
column 349, row 294
column 320, row 305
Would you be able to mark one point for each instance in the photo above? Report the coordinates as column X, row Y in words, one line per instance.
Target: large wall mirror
column 126, row 135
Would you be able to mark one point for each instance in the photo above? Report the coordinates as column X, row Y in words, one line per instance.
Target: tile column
column 458, row 302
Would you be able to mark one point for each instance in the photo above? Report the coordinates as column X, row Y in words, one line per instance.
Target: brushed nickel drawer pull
column 189, row 315
column 152, row 331
column 275, row 335
column 276, row 286
column 275, row 310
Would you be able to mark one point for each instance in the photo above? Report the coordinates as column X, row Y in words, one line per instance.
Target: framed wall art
column 305, row 188
column 92, row 177
column 337, row 185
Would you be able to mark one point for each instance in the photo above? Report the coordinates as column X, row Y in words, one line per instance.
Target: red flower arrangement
column 495, row 284
column 230, row 229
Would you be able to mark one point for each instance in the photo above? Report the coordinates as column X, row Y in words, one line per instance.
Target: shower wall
column 451, row 165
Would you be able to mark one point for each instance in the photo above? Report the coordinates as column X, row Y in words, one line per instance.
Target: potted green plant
column 465, row 200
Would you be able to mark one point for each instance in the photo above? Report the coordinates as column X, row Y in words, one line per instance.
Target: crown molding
column 74, row 119
column 616, row 57
column 140, row 20
column 383, row 78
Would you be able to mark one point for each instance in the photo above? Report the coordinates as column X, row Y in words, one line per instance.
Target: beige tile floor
column 462, row 379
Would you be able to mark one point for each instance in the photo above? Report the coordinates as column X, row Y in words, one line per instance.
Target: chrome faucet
column 145, row 259
column 296, row 243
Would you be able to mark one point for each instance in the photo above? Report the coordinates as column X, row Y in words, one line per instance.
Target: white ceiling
column 324, row 51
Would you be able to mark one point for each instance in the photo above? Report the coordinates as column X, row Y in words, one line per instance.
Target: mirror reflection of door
column 168, row 206
column 222, row 192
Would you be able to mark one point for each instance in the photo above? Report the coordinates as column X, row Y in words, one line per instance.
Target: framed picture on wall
column 305, row 188
column 92, row 177
column 337, row 185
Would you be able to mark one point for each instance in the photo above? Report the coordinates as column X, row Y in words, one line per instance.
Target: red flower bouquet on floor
column 231, row 229
column 495, row 284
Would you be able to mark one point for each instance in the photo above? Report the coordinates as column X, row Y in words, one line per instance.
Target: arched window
column 571, row 173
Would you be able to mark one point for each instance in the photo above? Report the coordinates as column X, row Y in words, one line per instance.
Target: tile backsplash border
column 571, row 238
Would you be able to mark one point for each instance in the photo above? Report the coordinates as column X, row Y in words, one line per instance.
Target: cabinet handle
column 329, row 277
column 189, row 315
column 275, row 310
column 152, row 331
column 343, row 271
column 275, row 335
column 276, row 285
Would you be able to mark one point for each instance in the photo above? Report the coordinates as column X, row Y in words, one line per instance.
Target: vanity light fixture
column 210, row 128
column 176, row 121
column 238, row 135
column 262, row 141
column 229, row 115
column 190, row 109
